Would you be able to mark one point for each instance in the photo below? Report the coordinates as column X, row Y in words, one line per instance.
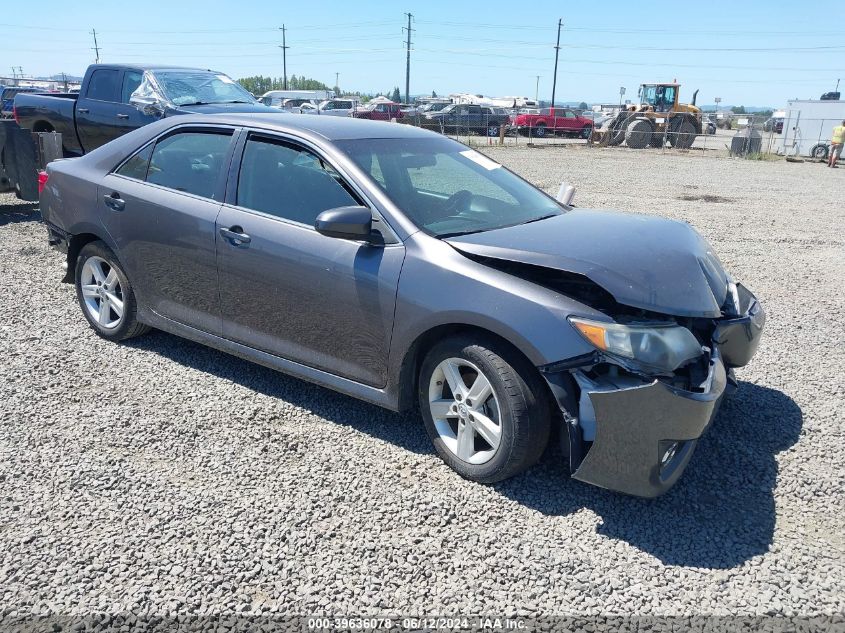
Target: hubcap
column 465, row 411
column 102, row 292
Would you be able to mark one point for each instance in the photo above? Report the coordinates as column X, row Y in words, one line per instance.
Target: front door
column 161, row 206
column 287, row 290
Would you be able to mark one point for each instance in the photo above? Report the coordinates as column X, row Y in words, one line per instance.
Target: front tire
column 484, row 407
column 105, row 294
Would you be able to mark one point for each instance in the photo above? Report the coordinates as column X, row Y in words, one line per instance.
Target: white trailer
column 274, row 98
column 808, row 125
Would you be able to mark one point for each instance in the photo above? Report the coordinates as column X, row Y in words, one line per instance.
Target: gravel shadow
column 720, row 514
column 722, row 511
column 20, row 211
column 405, row 430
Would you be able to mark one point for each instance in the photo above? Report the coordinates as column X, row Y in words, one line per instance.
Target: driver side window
column 289, row 182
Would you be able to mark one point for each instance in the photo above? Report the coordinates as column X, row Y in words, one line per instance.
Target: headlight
column 661, row 347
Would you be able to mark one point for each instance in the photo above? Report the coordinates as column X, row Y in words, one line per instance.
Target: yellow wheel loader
column 658, row 118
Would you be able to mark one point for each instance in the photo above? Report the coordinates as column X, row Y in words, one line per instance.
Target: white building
column 807, row 123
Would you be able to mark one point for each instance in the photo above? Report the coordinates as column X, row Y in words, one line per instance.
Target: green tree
column 583, row 106
column 433, row 94
column 738, row 109
column 396, row 96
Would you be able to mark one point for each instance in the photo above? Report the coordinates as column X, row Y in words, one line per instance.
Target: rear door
column 285, row 289
column 160, row 206
column 96, row 122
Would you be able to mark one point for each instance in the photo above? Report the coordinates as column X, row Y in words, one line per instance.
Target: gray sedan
column 403, row 268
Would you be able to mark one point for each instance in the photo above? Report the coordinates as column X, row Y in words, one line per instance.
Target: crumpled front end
column 634, row 432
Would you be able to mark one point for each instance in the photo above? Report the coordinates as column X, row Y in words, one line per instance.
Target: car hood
column 222, row 108
column 645, row 262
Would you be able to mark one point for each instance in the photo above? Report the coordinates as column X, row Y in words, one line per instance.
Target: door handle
column 122, row 116
column 236, row 236
column 114, row 201
column 83, row 110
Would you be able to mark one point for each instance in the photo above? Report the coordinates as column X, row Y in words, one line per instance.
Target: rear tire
column 683, row 135
column 540, row 130
column 505, row 430
column 586, row 132
column 105, row 294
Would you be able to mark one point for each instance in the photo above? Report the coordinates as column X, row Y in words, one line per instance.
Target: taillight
column 42, row 181
column 15, row 114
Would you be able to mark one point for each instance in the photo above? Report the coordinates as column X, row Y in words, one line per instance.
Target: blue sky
column 753, row 53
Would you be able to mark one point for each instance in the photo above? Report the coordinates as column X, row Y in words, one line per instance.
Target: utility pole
column 557, row 51
column 537, row 91
column 337, row 83
column 284, row 48
column 408, row 60
column 64, row 81
column 14, row 76
column 96, row 47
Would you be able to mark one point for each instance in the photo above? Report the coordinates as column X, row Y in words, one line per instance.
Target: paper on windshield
column 480, row 159
column 225, row 79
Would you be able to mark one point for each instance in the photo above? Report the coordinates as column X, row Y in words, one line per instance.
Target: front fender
column 438, row 287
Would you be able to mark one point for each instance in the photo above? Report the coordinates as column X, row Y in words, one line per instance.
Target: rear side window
column 189, row 161
column 103, row 85
column 289, row 182
column 136, row 167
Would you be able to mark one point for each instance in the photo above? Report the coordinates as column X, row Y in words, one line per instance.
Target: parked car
column 379, row 112
column 7, row 99
column 551, row 121
column 117, row 98
column 295, row 105
column 466, row 117
column 401, row 267
column 708, row 124
column 435, row 106
column 338, row 107
column 774, row 123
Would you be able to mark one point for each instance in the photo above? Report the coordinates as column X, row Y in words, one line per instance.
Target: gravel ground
column 159, row 476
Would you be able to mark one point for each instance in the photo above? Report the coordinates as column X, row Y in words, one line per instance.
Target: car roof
column 331, row 128
column 153, row 67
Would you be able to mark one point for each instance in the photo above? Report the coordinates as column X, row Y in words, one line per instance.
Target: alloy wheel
column 102, row 292
column 465, row 411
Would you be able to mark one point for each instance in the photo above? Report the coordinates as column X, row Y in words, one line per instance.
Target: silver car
column 401, row 267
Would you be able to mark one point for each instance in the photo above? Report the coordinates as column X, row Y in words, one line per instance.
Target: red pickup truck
column 551, row 121
column 379, row 112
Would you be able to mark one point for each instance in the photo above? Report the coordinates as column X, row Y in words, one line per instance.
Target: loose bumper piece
column 637, row 436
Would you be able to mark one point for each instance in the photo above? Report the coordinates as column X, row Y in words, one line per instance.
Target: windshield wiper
column 458, row 233
column 542, row 217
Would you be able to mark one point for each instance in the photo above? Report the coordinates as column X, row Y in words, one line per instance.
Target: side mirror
column 148, row 105
column 347, row 223
column 565, row 194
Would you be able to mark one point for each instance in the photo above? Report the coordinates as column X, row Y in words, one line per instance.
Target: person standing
column 836, row 141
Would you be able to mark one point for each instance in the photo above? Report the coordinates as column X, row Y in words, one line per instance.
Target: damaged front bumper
column 635, row 434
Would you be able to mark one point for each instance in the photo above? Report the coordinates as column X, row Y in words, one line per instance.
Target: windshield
column 195, row 87
column 446, row 188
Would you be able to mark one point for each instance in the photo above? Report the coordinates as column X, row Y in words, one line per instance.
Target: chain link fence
column 745, row 135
